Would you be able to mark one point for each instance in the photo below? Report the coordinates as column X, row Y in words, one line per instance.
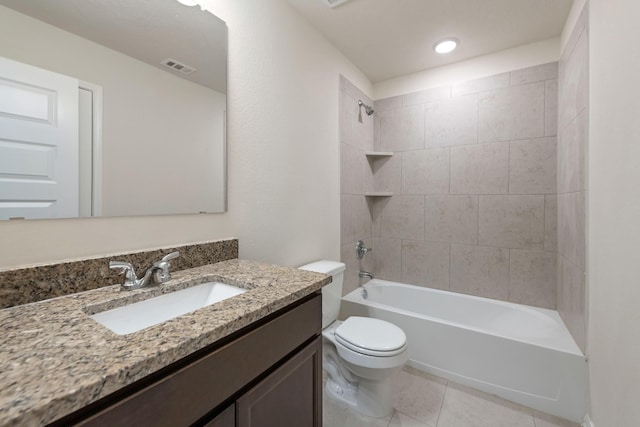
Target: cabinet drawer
column 183, row 397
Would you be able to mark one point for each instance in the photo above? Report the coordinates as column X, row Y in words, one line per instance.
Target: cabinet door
column 225, row 419
column 290, row 397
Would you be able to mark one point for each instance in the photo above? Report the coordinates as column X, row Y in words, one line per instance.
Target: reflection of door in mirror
column 38, row 143
column 163, row 146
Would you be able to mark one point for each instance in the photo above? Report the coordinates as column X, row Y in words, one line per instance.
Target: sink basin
column 140, row 315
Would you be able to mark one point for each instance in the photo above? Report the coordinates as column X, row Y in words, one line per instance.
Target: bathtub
column 523, row 354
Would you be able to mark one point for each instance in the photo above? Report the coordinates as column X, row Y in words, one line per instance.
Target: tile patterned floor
column 423, row 400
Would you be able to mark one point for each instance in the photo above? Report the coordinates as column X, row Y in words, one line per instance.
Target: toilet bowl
column 360, row 354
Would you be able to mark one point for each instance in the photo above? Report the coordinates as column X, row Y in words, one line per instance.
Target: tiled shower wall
column 474, row 184
column 573, row 103
column 356, row 178
column 473, row 176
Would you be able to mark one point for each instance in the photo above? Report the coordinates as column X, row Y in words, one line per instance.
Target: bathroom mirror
column 152, row 136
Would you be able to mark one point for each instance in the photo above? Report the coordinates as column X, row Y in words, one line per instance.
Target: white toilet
column 359, row 354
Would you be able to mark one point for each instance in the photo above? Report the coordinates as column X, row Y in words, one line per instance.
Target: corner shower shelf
column 375, row 154
column 378, row 194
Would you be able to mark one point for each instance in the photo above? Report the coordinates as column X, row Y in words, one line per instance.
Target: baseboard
column 587, row 422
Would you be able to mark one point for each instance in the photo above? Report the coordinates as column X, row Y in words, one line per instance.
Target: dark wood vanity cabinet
column 287, row 397
column 268, row 374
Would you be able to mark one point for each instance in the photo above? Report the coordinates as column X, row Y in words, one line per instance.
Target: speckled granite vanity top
column 54, row 359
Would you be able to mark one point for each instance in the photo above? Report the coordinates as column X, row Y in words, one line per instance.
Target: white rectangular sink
column 143, row 314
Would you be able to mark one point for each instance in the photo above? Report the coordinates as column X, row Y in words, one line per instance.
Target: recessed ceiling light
column 445, row 45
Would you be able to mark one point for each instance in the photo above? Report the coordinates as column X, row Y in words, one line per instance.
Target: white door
column 38, row 142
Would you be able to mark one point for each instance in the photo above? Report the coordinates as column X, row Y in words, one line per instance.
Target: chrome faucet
column 365, row 274
column 156, row 274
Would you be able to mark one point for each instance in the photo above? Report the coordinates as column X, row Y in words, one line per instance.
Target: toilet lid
column 371, row 336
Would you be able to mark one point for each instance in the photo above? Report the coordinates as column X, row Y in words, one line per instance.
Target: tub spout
column 365, row 274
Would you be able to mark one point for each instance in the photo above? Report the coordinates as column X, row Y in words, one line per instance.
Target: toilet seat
column 372, row 337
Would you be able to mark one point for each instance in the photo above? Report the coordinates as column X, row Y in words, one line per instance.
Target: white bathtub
column 520, row 353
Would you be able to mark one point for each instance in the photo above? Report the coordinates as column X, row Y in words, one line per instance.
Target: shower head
column 367, row 109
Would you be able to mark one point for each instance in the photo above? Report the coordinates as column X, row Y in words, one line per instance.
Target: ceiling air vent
column 334, row 3
column 178, row 66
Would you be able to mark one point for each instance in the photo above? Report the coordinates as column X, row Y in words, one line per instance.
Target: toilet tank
column 332, row 293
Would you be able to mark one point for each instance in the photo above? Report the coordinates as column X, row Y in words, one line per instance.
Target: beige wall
column 283, row 156
column 613, row 344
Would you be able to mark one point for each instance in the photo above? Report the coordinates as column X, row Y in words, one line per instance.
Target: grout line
column 509, row 276
column 444, row 396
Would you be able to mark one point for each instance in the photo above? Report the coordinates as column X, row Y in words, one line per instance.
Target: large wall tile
column 425, row 264
column 516, row 112
column 532, row 166
column 532, row 278
column 574, row 82
column 572, row 300
column 451, row 218
column 346, row 219
column 402, row 129
column 451, row 122
column 535, row 74
column 362, row 219
column 551, row 107
column 346, row 118
column 385, row 104
column 362, row 133
column 484, row 84
column 551, row 223
column 571, row 227
column 428, row 95
column 353, row 132
column 578, row 30
column 348, row 257
column 376, row 132
column 480, row 169
column 355, row 173
column 573, row 100
column 572, row 145
column 402, row 217
column 352, row 90
column 425, row 171
column 480, row 271
column 512, row 221
column 387, row 173
column 387, row 255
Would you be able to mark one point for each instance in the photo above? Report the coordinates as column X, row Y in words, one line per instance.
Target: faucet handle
column 127, row 269
column 169, row 257
column 163, row 266
column 362, row 249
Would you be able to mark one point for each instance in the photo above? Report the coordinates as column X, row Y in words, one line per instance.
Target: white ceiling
column 392, row 38
column 148, row 30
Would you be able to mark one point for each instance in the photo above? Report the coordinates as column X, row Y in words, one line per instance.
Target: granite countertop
column 54, row 359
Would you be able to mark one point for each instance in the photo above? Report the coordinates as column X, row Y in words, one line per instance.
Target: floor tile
column 418, row 394
column 465, row 407
column 402, row 420
column 336, row 415
column 545, row 420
